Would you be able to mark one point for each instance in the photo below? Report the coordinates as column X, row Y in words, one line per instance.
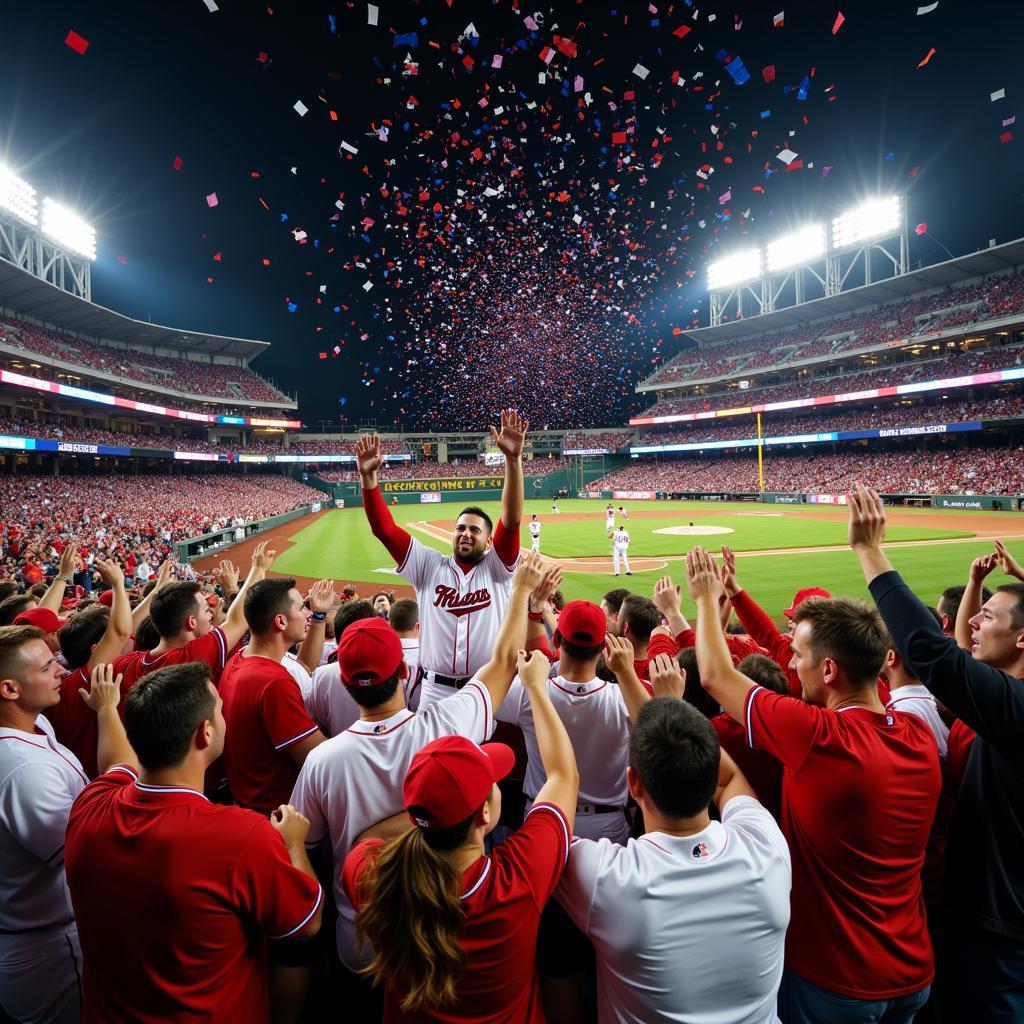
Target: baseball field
column 780, row 548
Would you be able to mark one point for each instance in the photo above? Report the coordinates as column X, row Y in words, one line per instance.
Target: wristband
column 535, row 616
column 64, row 579
column 319, row 616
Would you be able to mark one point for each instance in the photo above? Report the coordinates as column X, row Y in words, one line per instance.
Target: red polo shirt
column 859, row 791
column 265, row 715
column 503, row 896
column 210, row 647
column 174, row 898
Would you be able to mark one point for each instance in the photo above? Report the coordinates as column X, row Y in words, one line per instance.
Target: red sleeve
column 540, row 643
column 359, row 859
column 661, row 644
column 537, row 851
column 506, row 543
column 787, row 728
column 269, row 889
column 282, row 712
column 212, row 648
column 961, row 739
column 766, row 634
column 688, row 638
column 383, row 525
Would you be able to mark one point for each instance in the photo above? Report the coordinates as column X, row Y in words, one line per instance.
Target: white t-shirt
column 595, row 717
column 39, row 781
column 355, row 779
column 298, row 672
column 460, row 612
column 916, row 699
column 686, row 928
column 330, row 704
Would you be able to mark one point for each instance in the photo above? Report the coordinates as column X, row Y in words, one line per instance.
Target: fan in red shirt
column 184, row 620
column 174, row 896
column 474, row 958
column 860, row 788
column 270, row 732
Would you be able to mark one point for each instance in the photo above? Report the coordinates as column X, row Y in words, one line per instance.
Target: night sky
column 528, row 243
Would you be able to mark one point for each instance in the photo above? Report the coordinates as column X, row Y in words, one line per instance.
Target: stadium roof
column 938, row 275
column 26, row 294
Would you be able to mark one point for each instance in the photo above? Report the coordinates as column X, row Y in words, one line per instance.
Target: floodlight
column 68, row 229
column 17, row 197
column 743, row 265
column 802, row 246
column 873, row 219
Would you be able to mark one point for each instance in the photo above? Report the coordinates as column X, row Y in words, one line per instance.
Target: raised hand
column 1007, row 562
column 867, row 518
column 543, row 592
column 667, row 595
column 110, row 572
column 667, row 678
column 701, row 575
column 618, row 653
column 529, row 572
column 727, row 572
column 321, row 596
column 533, row 669
column 227, row 576
column 983, row 565
column 163, row 576
column 68, row 559
column 368, row 456
column 513, row 434
column 104, row 689
column 263, row 556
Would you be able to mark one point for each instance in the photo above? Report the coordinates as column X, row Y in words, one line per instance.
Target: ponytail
column 411, row 912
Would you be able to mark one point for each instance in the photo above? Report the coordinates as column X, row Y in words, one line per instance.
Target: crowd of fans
column 187, row 376
column 979, row 360
column 953, row 307
column 605, row 439
column 814, row 470
column 443, row 470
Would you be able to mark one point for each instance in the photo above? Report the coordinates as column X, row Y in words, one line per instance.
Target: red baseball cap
column 450, row 778
column 801, row 595
column 582, row 623
column 107, row 598
column 42, row 618
column 369, row 652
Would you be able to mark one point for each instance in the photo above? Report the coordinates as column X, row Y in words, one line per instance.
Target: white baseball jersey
column 595, row 717
column 534, row 528
column 355, row 779
column 609, row 519
column 716, row 902
column 621, row 539
column 460, row 612
column 330, row 704
column 917, row 700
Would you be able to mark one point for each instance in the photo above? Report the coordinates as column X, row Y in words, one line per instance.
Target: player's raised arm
column 378, row 515
column 510, row 442
column 498, row 673
column 235, row 626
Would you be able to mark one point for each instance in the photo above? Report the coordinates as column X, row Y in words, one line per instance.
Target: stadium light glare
column 872, row 219
column 67, row 229
column 18, row 197
column 741, row 266
column 803, row 245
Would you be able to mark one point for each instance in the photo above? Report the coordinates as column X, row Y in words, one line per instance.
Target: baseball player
column 620, row 545
column 353, row 781
column 623, row 514
column 609, row 520
column 535, row 534
column 554, row 505
column 463, row 596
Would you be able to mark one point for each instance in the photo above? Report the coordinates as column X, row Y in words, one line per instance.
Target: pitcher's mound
column 694, row 531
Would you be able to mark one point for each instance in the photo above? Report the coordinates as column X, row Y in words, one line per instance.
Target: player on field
column 609, row 519
column 620, row 550
column 353, row 781
column 535, row 534
column 463, row 596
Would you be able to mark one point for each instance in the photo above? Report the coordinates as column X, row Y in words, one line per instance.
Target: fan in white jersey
column 620, row 550
column 462, row 596
column 353, row 781
column 595, row 717
column 534, row 533
column 909, row 695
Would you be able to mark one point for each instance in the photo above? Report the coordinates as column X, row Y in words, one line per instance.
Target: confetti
column 300, row 108
column 211, row 6
column 927, row 57
column 371, row 14
column 212, row 200
column 927, row 9
column 76, row 42
column 641, row 72
column 177, row 163
column 921, row 229
column 840, row 18
column 999, row 94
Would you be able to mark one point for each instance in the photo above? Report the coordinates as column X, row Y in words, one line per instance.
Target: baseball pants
column 535, row 544
column 617, row 554
column 41, row 976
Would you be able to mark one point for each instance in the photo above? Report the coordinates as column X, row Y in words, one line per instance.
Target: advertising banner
column 477, row 483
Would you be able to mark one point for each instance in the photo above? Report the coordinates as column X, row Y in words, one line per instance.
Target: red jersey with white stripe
column 503, row 896
column 354, row 779
column 174, row 898
column 210, row 647
column 265, row 715
column 859, row 791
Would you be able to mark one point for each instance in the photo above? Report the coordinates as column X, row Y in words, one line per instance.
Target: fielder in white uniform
column 609, row 520
column 462, row 596
column 620, row 547
column 535, row 534
column 40, row 957
column 354, row 780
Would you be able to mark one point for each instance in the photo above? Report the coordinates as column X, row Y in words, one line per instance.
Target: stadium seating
column 611, row 439
column 953, row 307
column 443, row 470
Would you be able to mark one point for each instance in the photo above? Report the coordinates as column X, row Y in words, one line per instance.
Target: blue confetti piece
column 805, row 88
column 765, row 113
column 334, row 27
column 739, row 73
column 407, row 39
column 292, row 306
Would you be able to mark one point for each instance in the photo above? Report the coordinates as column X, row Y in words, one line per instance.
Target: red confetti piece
column 768, row 73
column 1006, row 137
column 840, row 18
column 928, row 57
column 921, row 229
column 76, row 42
column 682, row 31
column 177, row 163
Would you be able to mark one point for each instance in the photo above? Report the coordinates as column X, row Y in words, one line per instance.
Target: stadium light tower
column 729, row 280
column 19, row 236
column 862, row 231
column 67, row 247
column 808, row 243
column 66, row 228
column 17, row 196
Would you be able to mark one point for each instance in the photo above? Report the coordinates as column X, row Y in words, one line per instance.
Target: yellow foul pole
column 760, row 457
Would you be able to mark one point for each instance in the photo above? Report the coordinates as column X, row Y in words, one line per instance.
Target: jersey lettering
column 455, row 603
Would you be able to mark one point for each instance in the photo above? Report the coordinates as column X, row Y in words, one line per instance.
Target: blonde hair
column 412, row 914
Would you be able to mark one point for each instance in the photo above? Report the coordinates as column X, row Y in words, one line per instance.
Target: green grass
column 340, row 546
